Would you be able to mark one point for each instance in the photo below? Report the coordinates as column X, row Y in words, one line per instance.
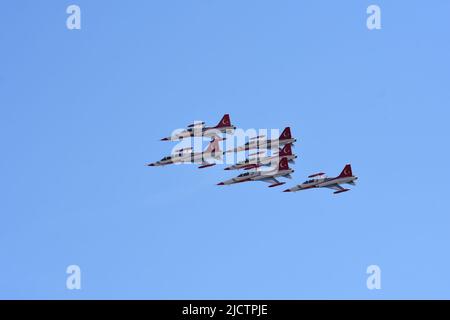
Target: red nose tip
column 220, row 184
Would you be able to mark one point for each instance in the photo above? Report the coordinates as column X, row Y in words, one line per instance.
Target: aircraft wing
column 273, row 182
column 206, row 164
column 335, row 187
column 270, row 180
column 197, row 124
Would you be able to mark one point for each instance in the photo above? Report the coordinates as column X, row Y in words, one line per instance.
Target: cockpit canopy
column 244, row 174
column 246, row 161
column 166, row 158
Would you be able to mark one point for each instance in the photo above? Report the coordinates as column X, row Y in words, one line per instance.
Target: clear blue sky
column 82, row 112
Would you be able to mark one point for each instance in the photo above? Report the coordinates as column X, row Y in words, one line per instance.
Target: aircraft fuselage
column 257, row 175
column 324, row 182
column 263, row 144
column 193, row 157
column 261, row 161
column 200, row 132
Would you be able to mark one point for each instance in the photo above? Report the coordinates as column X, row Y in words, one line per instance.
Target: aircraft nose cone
column 287, row 190
column 164, row 139
column 221, row 184
column 151, row 165
column 226, row 168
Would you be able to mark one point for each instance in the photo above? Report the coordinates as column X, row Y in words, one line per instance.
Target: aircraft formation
column 281, row 155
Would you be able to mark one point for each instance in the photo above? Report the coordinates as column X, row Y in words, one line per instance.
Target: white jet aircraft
column 198, row 129
column 319, row 180
column 281, row 170
column 258, row 161
column 261, row 142
column 186, row 155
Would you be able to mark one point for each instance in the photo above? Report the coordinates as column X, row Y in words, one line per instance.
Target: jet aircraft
column 261, row 142
column 319, row 180
column 258, row 161
column 281, row 170
column 198, row 129
column 186, row 155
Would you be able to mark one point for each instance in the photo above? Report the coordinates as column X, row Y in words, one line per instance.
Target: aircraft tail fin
column 224, row 122
column 346, row 172
column 286, row 134
column 283, row 164
column 286, row 151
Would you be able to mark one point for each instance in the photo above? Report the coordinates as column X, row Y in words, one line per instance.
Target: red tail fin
column 225, row 122
column 286, row 134
column 283, row 164
column 347, row 171
column 286, row 151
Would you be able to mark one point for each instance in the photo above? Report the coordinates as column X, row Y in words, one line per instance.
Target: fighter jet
column 258, row 161
column 281, row 170
column 261, row 142
column 319, row 180
column 198, row 129
column 186, row 155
